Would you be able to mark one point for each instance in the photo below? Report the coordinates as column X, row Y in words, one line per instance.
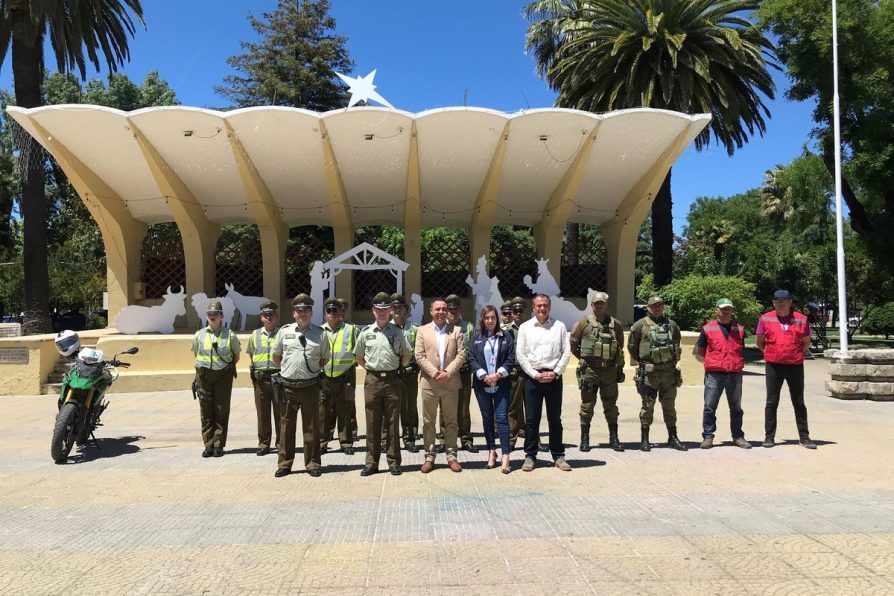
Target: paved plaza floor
column 146, row 514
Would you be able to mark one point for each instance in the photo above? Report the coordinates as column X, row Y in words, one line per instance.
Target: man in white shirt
column 543, row 350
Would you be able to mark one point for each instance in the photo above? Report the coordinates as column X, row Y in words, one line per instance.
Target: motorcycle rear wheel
column 64, row 433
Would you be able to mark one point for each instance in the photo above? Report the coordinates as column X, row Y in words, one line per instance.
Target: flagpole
column 839, row 226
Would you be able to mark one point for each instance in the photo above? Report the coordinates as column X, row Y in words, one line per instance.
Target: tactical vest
column 598, row 340
column 260, row 346
column 341, row 346
column 207, row 356
column 784, row 346
column 657, row 343
column 724, row 354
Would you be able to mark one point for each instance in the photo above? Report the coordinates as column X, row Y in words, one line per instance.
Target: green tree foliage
column 690, row 300
column 691, row 56
column 880, row 321
column 293, row 62
column 866, row 64
column 102, row 28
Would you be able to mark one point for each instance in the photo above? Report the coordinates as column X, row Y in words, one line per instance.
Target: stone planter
column 861, row 374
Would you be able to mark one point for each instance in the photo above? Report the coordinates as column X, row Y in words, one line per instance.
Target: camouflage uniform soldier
column 338, row 408
column 260, row 350
column 655, row 344
column 409, row 409
column 598, row 342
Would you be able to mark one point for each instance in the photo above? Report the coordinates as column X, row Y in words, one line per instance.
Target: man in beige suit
column 440, row 354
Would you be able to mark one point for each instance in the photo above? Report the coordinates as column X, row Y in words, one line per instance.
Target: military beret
column 382, row 300
column 655, row 300
column 331, row 301
column 214, row 306
column 399, row 300
column 599, row 297
column 268, row 306
column 453, row 301
column 302, row 300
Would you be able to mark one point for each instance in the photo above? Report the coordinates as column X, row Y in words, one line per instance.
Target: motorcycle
column 81, row 400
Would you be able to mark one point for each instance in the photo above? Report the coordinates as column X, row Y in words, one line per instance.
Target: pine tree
column 293, row 63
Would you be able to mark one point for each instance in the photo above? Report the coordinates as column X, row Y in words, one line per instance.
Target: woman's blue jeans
column 495, row 405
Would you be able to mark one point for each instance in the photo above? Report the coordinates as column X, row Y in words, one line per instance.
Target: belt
column 299, row 383
column 266, row 373
column 382, row 374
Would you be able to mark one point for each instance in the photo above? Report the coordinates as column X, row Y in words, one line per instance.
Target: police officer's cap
column 519, row 303
column 506, row 307
column 342, row 303
column 399, row 300
column 655, row 300
column 214, row 307
column 331, row 301
column 269, row 307
column 302, row 301
column 453, row 301
column 599, row 297
column 382, row 300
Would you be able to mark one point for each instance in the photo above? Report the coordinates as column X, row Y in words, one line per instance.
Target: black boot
column 672, row 441
column 644, row 441
column 584, row 437
column 613, row 441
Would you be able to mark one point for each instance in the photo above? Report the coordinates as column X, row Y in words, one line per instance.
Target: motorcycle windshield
column 75, row 381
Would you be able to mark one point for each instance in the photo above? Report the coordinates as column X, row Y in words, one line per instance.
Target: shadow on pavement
column 108, row 447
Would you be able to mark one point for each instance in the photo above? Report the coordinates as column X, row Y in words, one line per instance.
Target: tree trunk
column 27, row 69
column 663, row 235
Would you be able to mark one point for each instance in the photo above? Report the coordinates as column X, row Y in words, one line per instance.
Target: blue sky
column 428, row 55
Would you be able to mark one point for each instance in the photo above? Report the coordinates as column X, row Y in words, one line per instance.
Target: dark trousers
column 409, row 408
column 264, row 405
column 793, row 375
column 495, row 405
column 715, row 384
column 215, row 388
column 382, row 398
column 536, row 394
column 338, row 411
column 307, row 400
column 463, row 412
column 516, row 404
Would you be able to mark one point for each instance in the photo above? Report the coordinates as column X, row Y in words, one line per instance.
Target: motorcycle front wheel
column 64, row 433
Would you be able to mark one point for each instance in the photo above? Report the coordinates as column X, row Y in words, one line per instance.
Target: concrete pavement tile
column 677, row 568
column 603, row 569
column 555, row 570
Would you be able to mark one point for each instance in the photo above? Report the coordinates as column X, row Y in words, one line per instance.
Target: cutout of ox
column 200, row 304
column 159, row 319
column 246, row 305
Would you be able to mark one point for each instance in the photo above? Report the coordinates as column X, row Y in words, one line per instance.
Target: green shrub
column 879, row 321
column 690, row 300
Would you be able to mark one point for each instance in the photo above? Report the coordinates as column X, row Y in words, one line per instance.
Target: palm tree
column 102, row 28
column 691, row 56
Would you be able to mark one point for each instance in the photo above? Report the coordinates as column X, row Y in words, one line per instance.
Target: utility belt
column 261, row 374
column 596, row 363
column 383, row 374
column 411, row 368
column 299, row 383
column 466, row 369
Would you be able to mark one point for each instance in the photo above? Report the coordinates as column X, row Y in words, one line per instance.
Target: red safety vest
column 724, row 354
column 784, row 346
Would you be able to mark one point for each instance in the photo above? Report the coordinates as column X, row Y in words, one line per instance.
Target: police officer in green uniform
column 302, row 351
column 409, row 407
column 217, row 352
column 654, row 344
column 338, row 378
column 463, row 413
column 505, row 314
column 597, row 341
column 518, row 306
column 260, row 350
column 344, row 305
column 382, row 349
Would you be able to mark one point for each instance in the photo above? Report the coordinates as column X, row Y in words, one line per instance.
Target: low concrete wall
column 165, row 362
column 861, row 374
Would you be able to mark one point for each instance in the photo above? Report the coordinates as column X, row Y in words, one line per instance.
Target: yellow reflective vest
column 209, row 356
column 260, row 348
column 341, row 348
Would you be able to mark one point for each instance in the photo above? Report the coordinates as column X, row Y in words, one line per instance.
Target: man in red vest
column 784, row 335
column 720, row 347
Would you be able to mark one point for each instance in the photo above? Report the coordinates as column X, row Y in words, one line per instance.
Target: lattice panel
column 583, row 263
column 513, row 256
column 239, row 261
column 162, row 264
column 306, row 245
column 445, row 264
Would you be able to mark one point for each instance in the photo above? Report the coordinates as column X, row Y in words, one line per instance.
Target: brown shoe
column 454, row 466
column 427, row 467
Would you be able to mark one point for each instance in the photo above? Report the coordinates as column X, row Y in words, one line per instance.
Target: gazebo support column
column 413, row 222
column 486, row 205
column 621, row 237
column 198, row 233
column 342, row 222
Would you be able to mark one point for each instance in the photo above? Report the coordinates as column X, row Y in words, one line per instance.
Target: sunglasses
column 331, row 311
column 518, row 310
column 212, row 315
column 301, row 308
